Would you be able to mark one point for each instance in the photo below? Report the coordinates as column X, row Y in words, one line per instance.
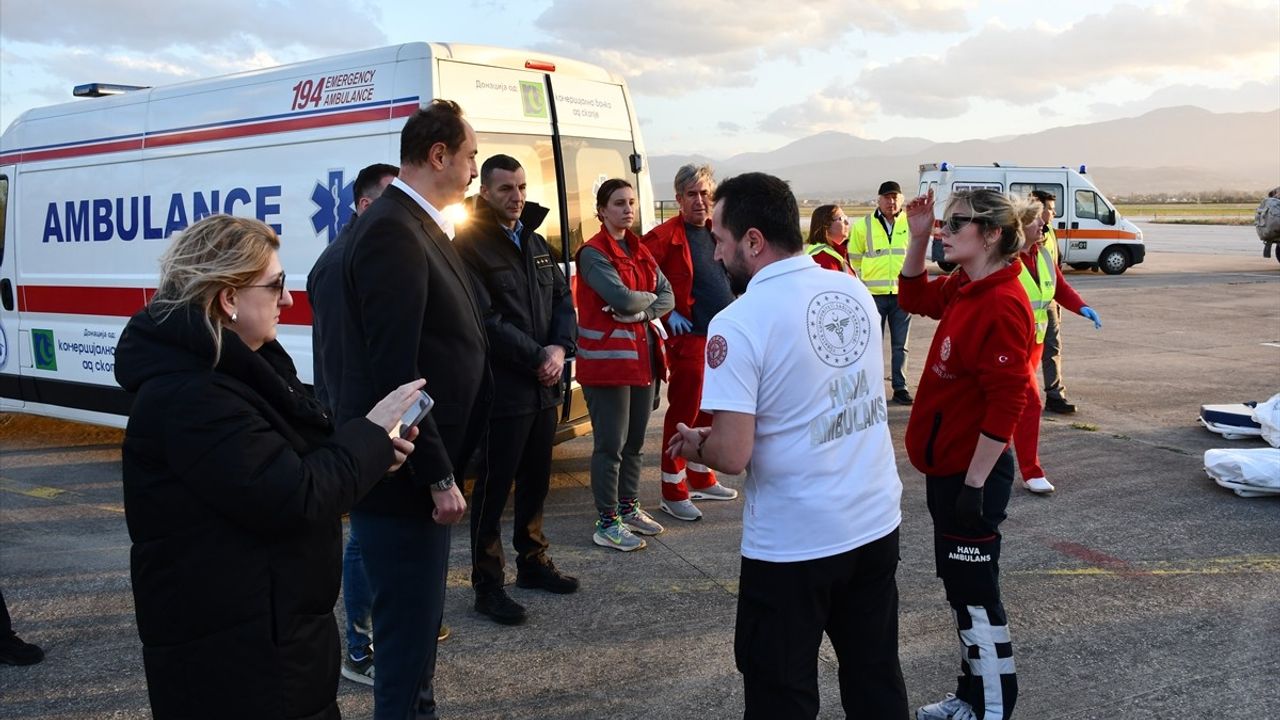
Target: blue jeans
column 899, row 322
column 356, row 599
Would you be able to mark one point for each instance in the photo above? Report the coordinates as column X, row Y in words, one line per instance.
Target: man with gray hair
column 685, row 251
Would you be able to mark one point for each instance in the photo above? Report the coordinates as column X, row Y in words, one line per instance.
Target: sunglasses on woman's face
column 956, row 223
column 278, row 286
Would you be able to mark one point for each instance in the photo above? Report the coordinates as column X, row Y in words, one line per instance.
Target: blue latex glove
column 678, row 323
column 1092, row 315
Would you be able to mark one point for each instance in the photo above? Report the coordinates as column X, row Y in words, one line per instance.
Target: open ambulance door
column 10, row 355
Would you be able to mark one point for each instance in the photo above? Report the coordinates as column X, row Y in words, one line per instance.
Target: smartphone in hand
column 414, row 415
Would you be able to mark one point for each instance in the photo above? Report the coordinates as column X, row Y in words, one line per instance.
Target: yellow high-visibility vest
column 1051, row 243
column 876, row 257
column 1040, row 293
column 816, row 248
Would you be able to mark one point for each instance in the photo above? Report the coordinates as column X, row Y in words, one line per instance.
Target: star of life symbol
column 335, row 203
column 839, row 328
column 945, row 352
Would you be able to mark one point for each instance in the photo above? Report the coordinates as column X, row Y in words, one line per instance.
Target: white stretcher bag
column 1252, row 472
column 1267, row 415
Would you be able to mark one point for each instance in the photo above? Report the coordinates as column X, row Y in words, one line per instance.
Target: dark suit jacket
column 325, row 293
column 412, row 313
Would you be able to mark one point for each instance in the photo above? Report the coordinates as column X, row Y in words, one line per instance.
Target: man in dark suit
column 411, row 313
column 326, row 297
column 532, row 327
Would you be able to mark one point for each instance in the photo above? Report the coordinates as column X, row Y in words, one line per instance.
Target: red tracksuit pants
column 686, row 355
column 1026, row 436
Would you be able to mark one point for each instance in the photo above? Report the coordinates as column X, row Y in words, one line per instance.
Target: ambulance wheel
column 1081, row 266
column 1114, row 260
column 945, row 266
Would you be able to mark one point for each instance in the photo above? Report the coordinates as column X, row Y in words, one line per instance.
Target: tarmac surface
column 1139, row 590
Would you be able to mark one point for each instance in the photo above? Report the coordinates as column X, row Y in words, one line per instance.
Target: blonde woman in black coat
column 234, row 485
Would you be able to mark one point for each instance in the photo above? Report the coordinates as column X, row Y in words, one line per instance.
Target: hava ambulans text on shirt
column 840, row 330
column 152, row 218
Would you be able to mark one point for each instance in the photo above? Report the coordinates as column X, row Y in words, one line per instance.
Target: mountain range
column 1183, row 149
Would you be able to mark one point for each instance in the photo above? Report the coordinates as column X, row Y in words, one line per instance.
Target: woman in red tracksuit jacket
column 971, row 395
column 1044, row 280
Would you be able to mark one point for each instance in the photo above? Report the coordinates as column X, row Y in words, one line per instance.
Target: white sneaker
column 1039, row 485
column 641, row 523
column 681, row 509
column 949, row 708
column 715, row 492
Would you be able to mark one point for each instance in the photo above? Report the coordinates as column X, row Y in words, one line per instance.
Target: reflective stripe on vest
column 1040, row 294
column 599, row 335
column 826, row 249
column 880, row 266
column 608, row 354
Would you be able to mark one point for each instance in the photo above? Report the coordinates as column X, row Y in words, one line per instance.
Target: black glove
column 969, row 507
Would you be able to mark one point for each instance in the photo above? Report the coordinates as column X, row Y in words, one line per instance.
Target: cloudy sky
column 716, row 77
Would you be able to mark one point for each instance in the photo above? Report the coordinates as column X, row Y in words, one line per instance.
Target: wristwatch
column 444, row 484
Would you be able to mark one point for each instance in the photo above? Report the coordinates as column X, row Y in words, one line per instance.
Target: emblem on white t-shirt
column 717, row 351
column 945, row 352
column 839, row 328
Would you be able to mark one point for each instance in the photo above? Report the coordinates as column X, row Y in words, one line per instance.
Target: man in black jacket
column 411, row 313
column 532, row 327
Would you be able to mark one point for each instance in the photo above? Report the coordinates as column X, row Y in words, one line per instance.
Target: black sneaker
column 500, row 607
column 13, row 651
column 545, row 576
column 1059, row 406
column 360, row 671
column 902, row 397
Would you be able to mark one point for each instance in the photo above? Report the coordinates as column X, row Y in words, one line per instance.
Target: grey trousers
column 899, row 322
column 619, row 418
column 1052, row 361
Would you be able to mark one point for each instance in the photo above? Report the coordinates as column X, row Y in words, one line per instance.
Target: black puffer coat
column 234, row 486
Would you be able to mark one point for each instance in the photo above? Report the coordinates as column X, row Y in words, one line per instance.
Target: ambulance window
column 965, row 186
column 1086, row 205
column 588, row 162
column 534, row 153
column 1024, row 189
column 4, row 212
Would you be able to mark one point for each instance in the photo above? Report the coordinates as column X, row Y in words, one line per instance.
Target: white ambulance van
column 91, row 190
column 1091, row 234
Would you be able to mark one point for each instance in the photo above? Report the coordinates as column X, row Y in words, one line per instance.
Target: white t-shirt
column 801, row 351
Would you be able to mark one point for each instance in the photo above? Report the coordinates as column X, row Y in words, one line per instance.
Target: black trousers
column 783, row 609
column 968, row 561
column 406, row 559
column 517, row 451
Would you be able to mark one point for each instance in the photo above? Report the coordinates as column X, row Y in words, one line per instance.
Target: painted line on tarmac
column 1236, row 565
column 41, row 492
column 35, row 491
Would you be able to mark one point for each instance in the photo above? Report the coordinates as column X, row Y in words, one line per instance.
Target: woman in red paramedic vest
column 971, row 394
column 620, row 291
column 1043, row 279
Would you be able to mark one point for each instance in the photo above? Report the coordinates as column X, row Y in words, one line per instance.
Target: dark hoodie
column 234, row 485
column 526, row 304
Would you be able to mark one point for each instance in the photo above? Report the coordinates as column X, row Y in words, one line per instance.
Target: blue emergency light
column 104, row 89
